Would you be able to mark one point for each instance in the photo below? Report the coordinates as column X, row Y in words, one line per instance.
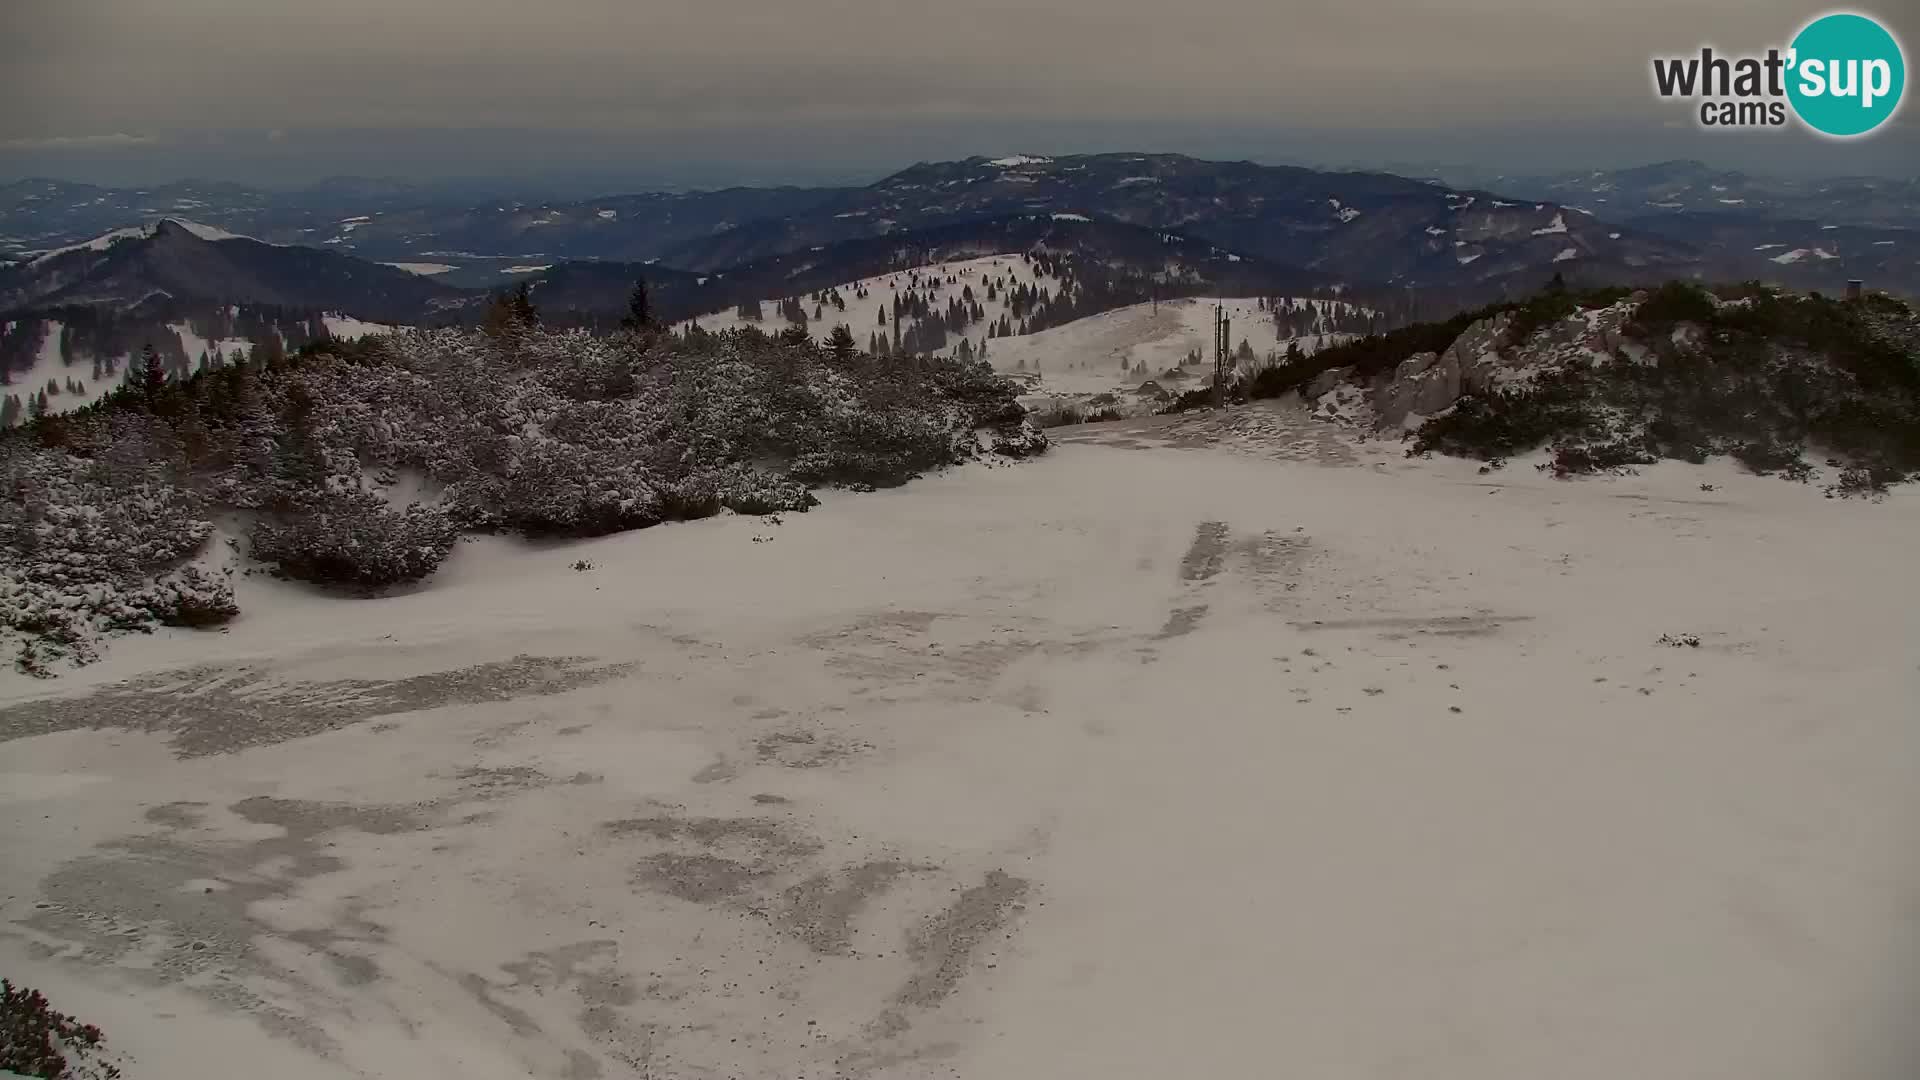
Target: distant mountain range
column 176, row 265
column 183, row 260
column 1673, row 188
column 1233, row 225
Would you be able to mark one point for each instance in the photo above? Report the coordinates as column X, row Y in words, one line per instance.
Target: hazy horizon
column 257, row 161
column 674, row 93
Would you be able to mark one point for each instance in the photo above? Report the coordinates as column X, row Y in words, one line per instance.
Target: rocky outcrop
column 1480, row 351
column 1325, row 381
column 1423, row 384
column 1484, row 357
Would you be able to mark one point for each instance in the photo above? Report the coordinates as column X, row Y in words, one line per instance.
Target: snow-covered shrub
column 746, row 490
column 1866, row 481
column 575, row 490
column 81, row 542
column 883, row 449
column 1021, row 440
column 40, row 1041
column 354, row 539
column 535, row 431
column 69, row 520
column 190, row 596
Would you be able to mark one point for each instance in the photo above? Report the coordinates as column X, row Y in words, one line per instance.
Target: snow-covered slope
column 1105, row 362
column 1143, row 340
column 79, row 376
column 197, row 346
column 1101, row 354
column 67, row 386
column 348, row 328
column 939, row 280
column 1087, row 769
column 187, row 262
column 424, row 269
column 138, row 232
column 1159, row 340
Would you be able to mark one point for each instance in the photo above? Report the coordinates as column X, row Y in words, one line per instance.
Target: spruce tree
column 153, row 374
column 842, row 343
column 524, row 313
column 639, row 309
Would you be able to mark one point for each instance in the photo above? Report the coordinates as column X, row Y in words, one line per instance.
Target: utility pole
column 1221, row 332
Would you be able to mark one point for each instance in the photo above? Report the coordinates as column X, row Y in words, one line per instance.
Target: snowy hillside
column 138, row 232
column 868, row 302
column 69, row 366
column 1096, row 356
column 1107, row 361
column 1143, row 340
column 67, row 386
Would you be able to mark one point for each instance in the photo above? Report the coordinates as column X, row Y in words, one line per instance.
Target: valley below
column 1221, row 744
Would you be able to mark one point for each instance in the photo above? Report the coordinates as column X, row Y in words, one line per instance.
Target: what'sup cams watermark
column 1843, row 75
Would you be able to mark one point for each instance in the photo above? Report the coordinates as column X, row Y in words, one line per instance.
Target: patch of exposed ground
column 700, row 879
column 805, row 750
column 1266, row 429
column 945, row 948
column 218, row 710
column 1274, row 555
column 510, row 780
column 899, row 650
column 879, row 624
column 761, row 836
column 1181, row 622
column 1395, row 627
column 820, row 910
column 1207, row 552
column 176, row 908
column 711, row 860
column 1274, row 561
column 589, row 969
column 758, row 877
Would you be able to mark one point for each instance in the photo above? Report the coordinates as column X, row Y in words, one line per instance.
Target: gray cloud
column 840, row 72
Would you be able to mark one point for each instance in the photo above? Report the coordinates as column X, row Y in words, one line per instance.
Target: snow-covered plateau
column 1234, row 742
column 1221, row 735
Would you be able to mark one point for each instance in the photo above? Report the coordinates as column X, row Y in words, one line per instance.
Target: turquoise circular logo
column 1847, row 74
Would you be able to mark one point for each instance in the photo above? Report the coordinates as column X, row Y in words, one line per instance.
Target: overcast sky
column 704, row 90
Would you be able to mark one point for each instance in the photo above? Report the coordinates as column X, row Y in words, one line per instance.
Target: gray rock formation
column 1320, row 384
column 1424, row 383
column 1485, row 357
column 1482, row 350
